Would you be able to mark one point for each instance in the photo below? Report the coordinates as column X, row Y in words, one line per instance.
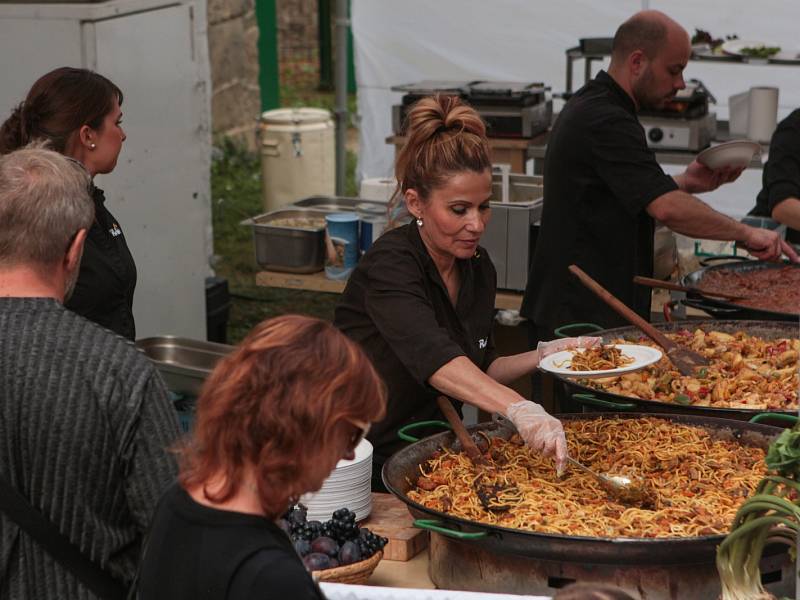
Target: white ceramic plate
column 736, row 153
column 735, row 47
column 642, row 356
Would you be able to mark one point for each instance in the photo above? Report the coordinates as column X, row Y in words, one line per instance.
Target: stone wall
column 233, row 52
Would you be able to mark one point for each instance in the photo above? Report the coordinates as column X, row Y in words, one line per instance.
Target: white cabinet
column 156, row 52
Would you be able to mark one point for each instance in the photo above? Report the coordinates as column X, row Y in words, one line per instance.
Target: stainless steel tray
column 522, row 190
column 183, row 363
column 333, row 204
column 286, row 248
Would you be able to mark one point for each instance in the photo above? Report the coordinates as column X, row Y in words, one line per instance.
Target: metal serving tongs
column 487, row 494
column 684, row 359
column 627, row 490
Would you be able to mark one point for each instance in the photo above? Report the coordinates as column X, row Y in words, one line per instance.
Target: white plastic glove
column 545, row 348
column 540, row 431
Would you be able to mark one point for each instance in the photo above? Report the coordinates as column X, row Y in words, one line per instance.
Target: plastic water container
column 298, row 156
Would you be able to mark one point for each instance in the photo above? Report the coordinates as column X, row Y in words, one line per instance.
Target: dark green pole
column 351, row 65
column 268, row 73
column 325, row 45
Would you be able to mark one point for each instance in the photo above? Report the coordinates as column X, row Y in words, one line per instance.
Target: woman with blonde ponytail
column 421, row 300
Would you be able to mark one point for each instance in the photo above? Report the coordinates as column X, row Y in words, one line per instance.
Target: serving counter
column 317, row 282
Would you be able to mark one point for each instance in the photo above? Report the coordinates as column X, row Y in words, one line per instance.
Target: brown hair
column 274, row 404
column 591, row 591
column 58, row 105
column 444, row 136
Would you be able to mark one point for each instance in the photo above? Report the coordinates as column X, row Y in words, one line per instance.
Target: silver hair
column 44, row 202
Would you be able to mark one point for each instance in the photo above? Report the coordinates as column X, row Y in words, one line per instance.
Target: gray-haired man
column 85, row 421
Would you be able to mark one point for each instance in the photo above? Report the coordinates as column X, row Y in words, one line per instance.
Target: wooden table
column 317, row 282
column 409, row 574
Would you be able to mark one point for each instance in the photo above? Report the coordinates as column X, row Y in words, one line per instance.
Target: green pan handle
column 434, row 525
column 402, row 433
column 592, row 400
column 788, row 419
column 562, row 331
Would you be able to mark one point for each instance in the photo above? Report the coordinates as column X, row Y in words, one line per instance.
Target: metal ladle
column 625, row 489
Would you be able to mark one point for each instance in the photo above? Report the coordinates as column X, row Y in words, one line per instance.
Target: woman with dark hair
column 78, row 113
column 273, row 419
column 421, row 300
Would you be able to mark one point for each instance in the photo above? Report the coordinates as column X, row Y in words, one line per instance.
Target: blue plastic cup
column 345, row 226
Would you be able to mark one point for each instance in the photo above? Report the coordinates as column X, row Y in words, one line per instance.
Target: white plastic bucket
column 297, row 155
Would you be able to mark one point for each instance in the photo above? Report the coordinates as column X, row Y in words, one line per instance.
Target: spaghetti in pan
column 696, row 481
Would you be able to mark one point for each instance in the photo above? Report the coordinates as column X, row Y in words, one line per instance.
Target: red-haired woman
column 421, row 300
column 272, row 421
column 78, row 113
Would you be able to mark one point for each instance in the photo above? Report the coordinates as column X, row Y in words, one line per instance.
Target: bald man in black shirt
column 604, row 189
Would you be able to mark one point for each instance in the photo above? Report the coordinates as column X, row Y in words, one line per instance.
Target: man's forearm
column 788, row 213
column 692, row 217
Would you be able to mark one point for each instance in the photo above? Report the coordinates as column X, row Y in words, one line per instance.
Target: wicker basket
column 355, row 573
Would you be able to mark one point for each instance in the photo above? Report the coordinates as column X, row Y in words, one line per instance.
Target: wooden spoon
column 685, row 360
column 668, row 285
column 486, row 493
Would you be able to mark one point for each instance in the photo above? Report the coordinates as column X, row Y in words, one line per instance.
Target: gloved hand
column 540, row 431
column 545, row 348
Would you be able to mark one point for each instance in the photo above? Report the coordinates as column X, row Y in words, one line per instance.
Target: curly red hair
column 273, row 404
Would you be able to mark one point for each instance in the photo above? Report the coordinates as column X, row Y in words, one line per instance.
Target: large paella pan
column 754, row 368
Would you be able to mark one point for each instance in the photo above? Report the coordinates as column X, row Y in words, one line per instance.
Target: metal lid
column 287, row 116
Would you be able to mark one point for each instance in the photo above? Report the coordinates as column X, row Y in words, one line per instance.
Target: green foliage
column 236, row 195
column 784, row 453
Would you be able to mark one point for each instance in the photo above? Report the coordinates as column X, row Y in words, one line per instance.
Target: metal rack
column 595, row 49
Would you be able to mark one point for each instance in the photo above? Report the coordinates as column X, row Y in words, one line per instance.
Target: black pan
column 593, row 399
column 725, row 308
column 402, row 469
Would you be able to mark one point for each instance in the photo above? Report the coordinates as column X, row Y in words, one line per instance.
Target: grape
column 297, row 517
column 284, row 525
column 317, row 561
column 334, row 563
column 303, row 547
column 325, row 545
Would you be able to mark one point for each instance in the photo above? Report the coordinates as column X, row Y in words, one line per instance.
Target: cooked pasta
column 697, row 480
column 745, row 372
column 599, row 358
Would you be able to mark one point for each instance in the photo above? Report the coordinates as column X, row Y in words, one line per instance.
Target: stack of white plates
column 348, row 486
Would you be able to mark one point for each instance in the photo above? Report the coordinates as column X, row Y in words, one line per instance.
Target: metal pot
column 578, row 396
column 402, row 469
column 465, row 555
column 723, row 309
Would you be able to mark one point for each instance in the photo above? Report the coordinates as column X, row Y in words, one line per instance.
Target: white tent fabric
column 525, row 40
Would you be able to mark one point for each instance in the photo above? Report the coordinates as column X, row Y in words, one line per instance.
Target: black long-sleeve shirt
column 781, row 179
column 107, row 278
column 196, row 552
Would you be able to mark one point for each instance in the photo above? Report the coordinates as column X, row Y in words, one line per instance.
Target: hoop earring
column 419, row 221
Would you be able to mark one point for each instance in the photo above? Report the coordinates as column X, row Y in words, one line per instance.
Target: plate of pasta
column 601, row 361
